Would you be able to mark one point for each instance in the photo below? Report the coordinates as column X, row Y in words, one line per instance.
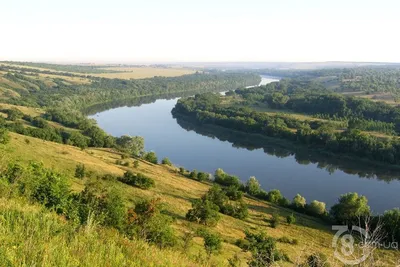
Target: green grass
column 30, row 236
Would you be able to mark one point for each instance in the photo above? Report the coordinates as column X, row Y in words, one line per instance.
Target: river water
column 276, row 167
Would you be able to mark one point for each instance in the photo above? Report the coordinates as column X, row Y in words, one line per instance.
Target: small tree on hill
column 350, row 207
column 151, row 157
column 80, row 171
column 204, row 211
column 166, row 161
column 299, row 202
column 253, row 186
column 212, row 243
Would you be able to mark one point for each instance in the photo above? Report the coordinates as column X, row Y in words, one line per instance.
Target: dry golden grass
column 144, row 72
column 72, row 80
column 26, row 110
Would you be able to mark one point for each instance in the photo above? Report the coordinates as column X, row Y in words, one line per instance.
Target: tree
column 134, row 145
column 253, row 186
column 317, row 208
column 299, row 202
column 166, row 161
column 80, row 171
column 77, row 139
column 349, row 208
column 262, row 248
column 204, row 211
column 212, row 243
column 151, row 157
column 274, row 196
column 391, row 224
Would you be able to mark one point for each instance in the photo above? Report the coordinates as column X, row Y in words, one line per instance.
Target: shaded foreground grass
column 30, row 236
column 93, row 246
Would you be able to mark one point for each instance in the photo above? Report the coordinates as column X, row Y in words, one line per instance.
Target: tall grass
column 32, row 236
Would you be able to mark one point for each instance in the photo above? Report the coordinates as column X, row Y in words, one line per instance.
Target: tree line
column 206, row 109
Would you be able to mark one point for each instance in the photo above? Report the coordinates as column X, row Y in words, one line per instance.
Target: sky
column 132, row 31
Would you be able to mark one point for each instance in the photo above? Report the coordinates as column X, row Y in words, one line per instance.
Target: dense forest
column 320, row 134
column 77, row 96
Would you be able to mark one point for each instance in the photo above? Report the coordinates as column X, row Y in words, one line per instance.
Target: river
column 291, row 171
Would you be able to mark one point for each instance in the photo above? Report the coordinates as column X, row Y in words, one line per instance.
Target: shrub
column 275, row 220
column 237, row 209
column 151, row 157
column 45, row 186
column 4, row 136
column 146, row 221
column 317, row 260
column 287, row 240
column 114, row 210
column 182, row 170
column 203, row 176
column 193, row 174
column 80, row 171
column 166, row 161
column 138, row 180
column 284, row 202
column 204, row 211
column 290, row 219
column 263, row 250
column 212, row 243
column 222, row 178
column 233, row 193
column 136, row 164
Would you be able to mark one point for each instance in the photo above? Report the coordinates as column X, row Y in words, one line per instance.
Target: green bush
column 234, row 193
column 274, row 196
column 290, row 219
column 287, row 240
column 4, row 136
column 146, row 221
column 222, row 178
column 204, row 212
column 45, row 186
column 80, row 171
column 212, row 243
column 151, row 157
column 166, row 161
column 139, row 180
column 275, row 220
column 317, row 260
column 203, row 176
column 193, row 174
column 136, row 164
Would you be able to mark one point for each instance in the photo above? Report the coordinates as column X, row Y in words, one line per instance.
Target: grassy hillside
column 176, row 193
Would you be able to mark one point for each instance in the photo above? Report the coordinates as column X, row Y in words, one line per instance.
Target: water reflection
column 303, row 156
